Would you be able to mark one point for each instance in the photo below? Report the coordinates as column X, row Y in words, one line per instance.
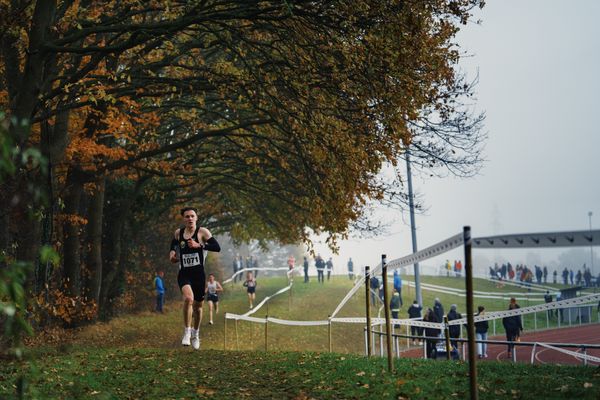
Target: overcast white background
column 539, row 81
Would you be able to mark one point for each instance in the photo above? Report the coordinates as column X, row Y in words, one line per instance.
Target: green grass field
column 140, row 356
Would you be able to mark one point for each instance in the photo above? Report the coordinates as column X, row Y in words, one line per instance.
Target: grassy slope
column 140, row 356
column 102, row 373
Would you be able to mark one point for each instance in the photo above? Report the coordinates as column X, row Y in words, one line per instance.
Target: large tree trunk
column 72, row 228
column 115, row 216
column 94, row 263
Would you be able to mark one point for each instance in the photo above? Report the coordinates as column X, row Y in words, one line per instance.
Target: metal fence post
column 368, row 308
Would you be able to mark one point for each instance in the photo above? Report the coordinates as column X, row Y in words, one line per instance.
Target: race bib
column 190, row 260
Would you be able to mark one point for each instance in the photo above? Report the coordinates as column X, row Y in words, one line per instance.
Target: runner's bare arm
column 173, row 254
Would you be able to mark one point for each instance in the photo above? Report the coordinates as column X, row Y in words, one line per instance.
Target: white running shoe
column 187, row 335
column 196, row 342
column 210, row 322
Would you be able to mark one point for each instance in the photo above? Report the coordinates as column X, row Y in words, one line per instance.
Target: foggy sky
column 539, row 64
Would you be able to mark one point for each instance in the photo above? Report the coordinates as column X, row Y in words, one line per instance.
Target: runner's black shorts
column 194, row 277
column 213, row 297
column 251, row 289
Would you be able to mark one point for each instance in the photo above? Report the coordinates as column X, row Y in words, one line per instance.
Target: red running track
column 588, row 334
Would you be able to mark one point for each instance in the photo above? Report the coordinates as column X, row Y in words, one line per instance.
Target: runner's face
column 190, row 218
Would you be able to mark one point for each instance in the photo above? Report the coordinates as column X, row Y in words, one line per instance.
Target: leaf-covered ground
column 184, row 374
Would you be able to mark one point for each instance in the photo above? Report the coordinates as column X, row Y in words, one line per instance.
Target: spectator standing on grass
column 374, row 287
column 571, row 276
column 454, row 330
column 587, row 276
column 234, row 264
column 554, row 276
column 350, row 269
column 255, row 266
column 414, row 311
column 160, row 291
column 398, row 284
column 305, row 266
column 438, row 309
column 578, row 278
column 545, row 274
column 431, row 333
column 395, row 304
column 320, row 264
column 511, row 272
column 513, row 327
column 481, row 330
column 548, row 299
column 329, row 265
column 565, row 276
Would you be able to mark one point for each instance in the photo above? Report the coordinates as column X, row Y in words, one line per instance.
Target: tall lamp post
column 413, row 229
column 591, row 246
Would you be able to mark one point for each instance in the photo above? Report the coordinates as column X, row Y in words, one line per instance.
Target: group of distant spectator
column 249, row 263
column 526, row 275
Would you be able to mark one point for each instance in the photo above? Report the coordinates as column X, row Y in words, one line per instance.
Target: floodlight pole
column 413, row 228
column 591, row 246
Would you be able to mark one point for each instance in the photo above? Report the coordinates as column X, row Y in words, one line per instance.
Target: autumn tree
column 277, row 117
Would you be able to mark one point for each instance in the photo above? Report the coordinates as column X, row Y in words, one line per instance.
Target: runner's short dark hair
column 184, row 209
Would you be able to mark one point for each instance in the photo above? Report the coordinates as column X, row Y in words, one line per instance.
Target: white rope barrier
column 425, row 254
column 555, row 305
column 245, row 318
column 477, row 293
column 579, row 238
column 531, row 285
column 570, row 352
column 255, row 309
column 241, row 271
column 531, row 240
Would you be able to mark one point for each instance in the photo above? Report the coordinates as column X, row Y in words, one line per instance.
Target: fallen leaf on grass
column 361, row 373
column 206, row 391
column 588, row 385
column 400, row 382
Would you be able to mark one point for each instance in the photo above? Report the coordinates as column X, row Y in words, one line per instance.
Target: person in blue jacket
column 160, row 291
column 398, row 285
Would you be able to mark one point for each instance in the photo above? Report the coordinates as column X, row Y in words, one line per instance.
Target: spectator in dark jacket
column 481, row 329
column 431, row 333
column 513, row 327
column 454, row 330
column 414, row 311
column 438, row 309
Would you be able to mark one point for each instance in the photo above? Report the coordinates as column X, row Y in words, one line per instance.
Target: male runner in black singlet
column 188, row 248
